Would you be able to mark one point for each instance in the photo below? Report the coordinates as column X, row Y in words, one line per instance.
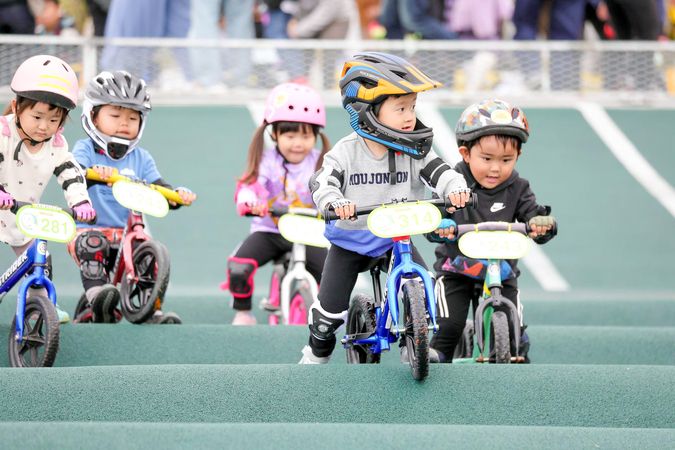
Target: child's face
column 39, row 122
column 295, row 145
column 118, row 121
column 399, row 112
column 490, row 161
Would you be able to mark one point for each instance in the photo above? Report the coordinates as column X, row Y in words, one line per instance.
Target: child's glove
column 186, row 195
column 446, row 229
column 84, row 212
column 344, row 208
column 541, row 226
column 6, row 199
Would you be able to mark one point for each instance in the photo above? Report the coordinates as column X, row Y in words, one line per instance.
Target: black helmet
column 367, row 80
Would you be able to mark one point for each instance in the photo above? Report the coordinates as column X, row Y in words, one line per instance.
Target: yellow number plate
column 404, row 219
column 137, row 197
column 494, row 244
column 45, row 222
column 303, row 230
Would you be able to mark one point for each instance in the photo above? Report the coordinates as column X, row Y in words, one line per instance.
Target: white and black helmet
column 119, row 88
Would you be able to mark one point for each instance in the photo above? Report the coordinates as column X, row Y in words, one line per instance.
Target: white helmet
column 118, row 88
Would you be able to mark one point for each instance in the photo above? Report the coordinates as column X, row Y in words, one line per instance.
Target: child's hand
column 540, row 225
column 6, row 199
column 259, row 209
column 344, row 208
column 186, row 195
column 84, row 212
column 104, row 172
column 446, row 229
column 459, row 199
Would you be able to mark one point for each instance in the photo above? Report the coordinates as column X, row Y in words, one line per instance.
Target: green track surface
column 603, row 352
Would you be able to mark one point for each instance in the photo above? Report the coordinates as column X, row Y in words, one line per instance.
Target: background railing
column 530, row 72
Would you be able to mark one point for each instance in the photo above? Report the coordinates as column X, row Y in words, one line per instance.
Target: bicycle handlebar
column 278, row 211
column 18, row 204
column 166, row 192
column 518, row 227
column 438, row 202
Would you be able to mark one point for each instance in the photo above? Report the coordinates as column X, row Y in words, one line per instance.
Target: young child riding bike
column 114, row 115
column 387, row 157
column 276, row 177
column 490, row 135
column 32, row 147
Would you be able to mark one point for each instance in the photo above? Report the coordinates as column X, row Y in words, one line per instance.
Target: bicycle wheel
column 140, row 299
column 40, row 335
column 361, row 320
column 273, row 297
column 416, row 329
column 83, row 312
column 500, row 338
column 300, row 303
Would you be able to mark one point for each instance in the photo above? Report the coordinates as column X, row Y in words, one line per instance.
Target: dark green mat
column 326, row 436
column 556, row 395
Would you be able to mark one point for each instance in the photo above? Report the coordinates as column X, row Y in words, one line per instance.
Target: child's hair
column 23, row 103
column 502, row 139
column 255, row 149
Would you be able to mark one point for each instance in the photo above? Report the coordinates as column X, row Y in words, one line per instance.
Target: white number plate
column 404, row 219
column 494, row 244
column 137, row 197
column 45, row 222
column 303, row 230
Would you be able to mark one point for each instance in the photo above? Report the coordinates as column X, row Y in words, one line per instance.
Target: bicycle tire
column 40, row 335
column 361, row 319
column 139, row 300
column 416, row 329
column 501, row 338
column 82, row 313
column 301, row 300
column 274, row 294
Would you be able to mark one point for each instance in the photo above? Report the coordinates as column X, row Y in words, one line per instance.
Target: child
column 489, row 135
column 277, row 177
column 32, row 147
column 388, row 157
column 114, row 114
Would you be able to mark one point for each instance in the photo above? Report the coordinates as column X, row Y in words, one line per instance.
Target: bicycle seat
column 380, row 263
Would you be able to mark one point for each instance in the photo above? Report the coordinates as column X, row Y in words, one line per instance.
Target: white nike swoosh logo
column 496, row 208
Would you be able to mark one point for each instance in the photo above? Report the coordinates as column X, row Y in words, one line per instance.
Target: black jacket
column 511, row 201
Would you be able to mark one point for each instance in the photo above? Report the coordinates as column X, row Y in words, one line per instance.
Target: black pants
column 339, row 277
column 264, row 247
column 452, row 308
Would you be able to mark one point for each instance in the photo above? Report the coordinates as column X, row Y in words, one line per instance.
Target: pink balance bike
column 142, row 266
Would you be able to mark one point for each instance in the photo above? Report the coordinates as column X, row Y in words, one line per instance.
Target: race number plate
column 494, row 244
column 303, row 230
column 45, row 222
column 404, row 219
column 141, row 198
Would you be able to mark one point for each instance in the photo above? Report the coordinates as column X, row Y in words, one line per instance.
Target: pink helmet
column 48, row 79
column 291, row 102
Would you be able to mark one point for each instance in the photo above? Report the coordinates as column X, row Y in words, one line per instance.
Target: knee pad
column 324, row 325
column 240, row 272
column 92, row 250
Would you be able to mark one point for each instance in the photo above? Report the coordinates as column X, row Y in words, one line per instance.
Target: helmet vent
column 306, row 109
column 46, row 62
column 291, row 107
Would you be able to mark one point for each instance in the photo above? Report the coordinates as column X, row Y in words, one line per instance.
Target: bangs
column 294, row 127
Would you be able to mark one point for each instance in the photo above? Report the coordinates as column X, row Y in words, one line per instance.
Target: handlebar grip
column 17, row 205
column 166, row 192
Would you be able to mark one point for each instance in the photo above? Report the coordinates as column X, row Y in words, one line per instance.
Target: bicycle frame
column 133, row 232
column 34, row 257
column 401, row 267
column 297, row 272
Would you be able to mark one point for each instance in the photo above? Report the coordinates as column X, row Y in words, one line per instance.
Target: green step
column 554, row 395
column 126, row 344
column 141, row 436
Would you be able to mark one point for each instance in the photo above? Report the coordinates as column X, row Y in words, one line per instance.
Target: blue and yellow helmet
column 367, row 80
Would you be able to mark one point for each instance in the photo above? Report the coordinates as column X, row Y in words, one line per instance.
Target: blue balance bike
column 34, row 334
column 374, row 323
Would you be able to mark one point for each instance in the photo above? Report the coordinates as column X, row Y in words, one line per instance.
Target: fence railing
column 236, row 71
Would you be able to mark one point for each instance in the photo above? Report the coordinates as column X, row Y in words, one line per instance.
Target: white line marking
column 628, row 155
column 445, row 144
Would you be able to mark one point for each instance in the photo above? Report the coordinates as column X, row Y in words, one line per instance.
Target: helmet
column 291, row 102
column 367, row 80
column 492, row 116
column 118, row 88
column 48, row 79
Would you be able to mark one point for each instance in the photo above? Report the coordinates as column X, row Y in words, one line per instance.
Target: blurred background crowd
column 214, row 20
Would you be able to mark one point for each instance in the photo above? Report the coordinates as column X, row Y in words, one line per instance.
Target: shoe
column 435, row 357
column 160, row 318
column 64, row 317
column 244, row 318
column 104, row 304
column 309, row 358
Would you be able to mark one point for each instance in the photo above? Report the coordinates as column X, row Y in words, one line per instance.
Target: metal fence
column 236, row 71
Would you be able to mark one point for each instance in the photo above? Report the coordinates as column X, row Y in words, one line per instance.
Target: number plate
column 141, row 198
column 303, row 230
column 494, row 244
column 404, row 219
column 45, row 222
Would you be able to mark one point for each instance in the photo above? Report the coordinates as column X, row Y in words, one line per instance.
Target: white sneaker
column 244, row 318
column 309, row 358
column 64, row 317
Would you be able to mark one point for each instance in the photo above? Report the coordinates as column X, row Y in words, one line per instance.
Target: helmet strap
column 29, row 139
column 392, row 167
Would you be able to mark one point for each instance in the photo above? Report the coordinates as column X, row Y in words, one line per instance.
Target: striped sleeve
column 70, row 176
